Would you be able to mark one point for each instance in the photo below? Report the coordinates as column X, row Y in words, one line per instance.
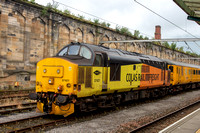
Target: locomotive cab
column 57, row 80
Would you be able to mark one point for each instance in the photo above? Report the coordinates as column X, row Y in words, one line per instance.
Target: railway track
column 9, row 92
column 45, row 122
column 33, row 123
column 141, row 128
column 14, row 96
column 16, row 108
column 7, row 97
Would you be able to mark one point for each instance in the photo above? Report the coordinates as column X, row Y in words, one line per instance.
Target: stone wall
column 26, row 37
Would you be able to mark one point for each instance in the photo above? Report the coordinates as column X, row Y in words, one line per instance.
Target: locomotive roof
column 170, row 62
column 117, row 54
column 126, row 57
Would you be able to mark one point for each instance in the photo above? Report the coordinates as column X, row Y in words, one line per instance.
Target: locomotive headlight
column 50, row 81
column 59, row 88
column 58, row 71
column 68, row 85
column 45, row 70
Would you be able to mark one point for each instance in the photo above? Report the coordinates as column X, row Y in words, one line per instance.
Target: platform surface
column 188, row 124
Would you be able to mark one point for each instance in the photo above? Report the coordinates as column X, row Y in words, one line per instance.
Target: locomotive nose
column 55, row 81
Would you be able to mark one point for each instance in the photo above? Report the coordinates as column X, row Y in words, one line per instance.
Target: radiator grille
column 145, row 69
column 81, row 75
column 88, row 77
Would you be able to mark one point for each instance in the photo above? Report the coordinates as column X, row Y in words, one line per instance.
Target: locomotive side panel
column 129, row 78
column 151, row 77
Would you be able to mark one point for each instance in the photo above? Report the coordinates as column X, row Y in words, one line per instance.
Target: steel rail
column 3, row 112
column 8, row 109
column 161, row 118
column 13, row 96
column 16, row 91
column 20, row 120
column 16, row 105
column 44, row 125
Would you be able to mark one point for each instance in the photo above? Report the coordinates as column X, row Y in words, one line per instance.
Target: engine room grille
column 145, row 69
column 81, row 75
column 88, row 77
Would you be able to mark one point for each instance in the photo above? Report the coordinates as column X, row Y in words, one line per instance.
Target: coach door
column 179, row 74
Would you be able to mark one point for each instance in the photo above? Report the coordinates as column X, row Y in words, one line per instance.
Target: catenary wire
column 98, row 17
column 168, row 21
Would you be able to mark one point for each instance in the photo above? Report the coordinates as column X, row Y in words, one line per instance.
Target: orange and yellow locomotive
column 87, row 77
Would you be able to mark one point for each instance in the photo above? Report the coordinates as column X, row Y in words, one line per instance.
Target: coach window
column 171, row 68
column 182, row 71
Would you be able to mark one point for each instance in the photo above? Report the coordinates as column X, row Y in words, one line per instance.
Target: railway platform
column 188, row 124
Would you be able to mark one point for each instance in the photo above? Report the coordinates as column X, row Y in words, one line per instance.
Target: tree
column 181, row 49
column 173, row 46
column 66, row 11
column 103, row 24
column 32, row 1
column 166, row 44
column 117, row 28
column 96, row 21
column 81, row 17
column 136, row 33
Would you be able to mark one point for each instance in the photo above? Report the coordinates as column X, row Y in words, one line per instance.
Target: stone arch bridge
column 26, row 37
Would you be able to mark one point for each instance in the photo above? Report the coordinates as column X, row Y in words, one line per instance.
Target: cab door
column 99, row 72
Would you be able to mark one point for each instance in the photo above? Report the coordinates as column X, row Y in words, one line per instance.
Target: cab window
column 85, row 52
column 98, row 60
column 73, row 50
column 63, row 52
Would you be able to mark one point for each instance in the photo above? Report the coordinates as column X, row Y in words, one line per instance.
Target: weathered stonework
column 27, row 37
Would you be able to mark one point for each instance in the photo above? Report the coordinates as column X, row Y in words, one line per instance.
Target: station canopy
column 191, row 7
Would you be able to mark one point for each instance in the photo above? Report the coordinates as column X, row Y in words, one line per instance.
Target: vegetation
column 66, row 11
column 173, row 46
column 166, row 44
column 81, row 17
column 32, row 1
column 96, row 21
column 180, row 49
column 104, row 24
column 122, row 30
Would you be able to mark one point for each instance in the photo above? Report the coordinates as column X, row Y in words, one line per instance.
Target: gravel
column 18, row 116
column 113, row 121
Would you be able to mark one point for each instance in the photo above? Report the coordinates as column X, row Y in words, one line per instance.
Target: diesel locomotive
column 86, row 77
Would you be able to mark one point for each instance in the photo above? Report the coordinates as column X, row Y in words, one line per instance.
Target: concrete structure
column 29, row 34
column 188, row 124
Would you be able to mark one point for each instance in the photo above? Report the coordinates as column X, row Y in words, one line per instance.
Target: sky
column 130, row 14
